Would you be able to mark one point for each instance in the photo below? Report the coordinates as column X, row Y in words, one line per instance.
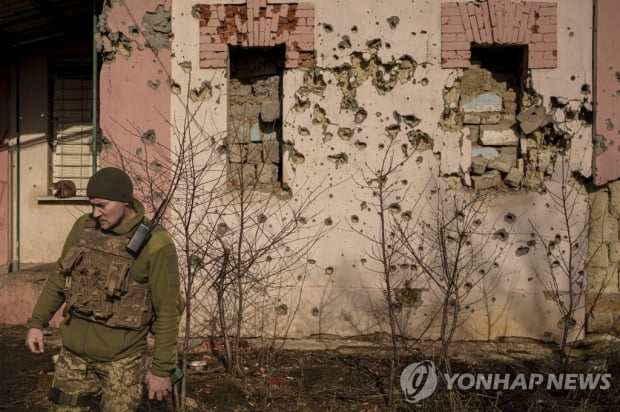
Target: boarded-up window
column 255, row 117
column 72, row 135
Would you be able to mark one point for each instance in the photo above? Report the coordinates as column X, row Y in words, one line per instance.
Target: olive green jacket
column 156, row 265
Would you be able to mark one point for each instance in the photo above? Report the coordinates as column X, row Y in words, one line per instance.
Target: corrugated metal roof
column 26, row 22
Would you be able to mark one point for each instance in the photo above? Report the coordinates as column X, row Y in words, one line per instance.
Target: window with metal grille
column 74, row 150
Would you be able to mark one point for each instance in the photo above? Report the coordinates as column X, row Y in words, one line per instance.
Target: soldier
column 113, row 298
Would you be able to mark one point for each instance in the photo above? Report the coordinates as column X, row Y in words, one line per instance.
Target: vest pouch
column 98, row 280
column 134, row 310
column 68, row 265
column 102, row 308
column 72, row 258
column 117, row 276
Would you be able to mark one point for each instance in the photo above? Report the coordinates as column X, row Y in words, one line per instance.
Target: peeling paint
column 298, row 158
column 319, row 116
column 338, row 159
column 186, row 66
column 394, row 208
column 410, row 120
column 392, row 130
column 600, row 144
column 175, row 87
column 522, row 250
column 313, row 83
column 609, row 124
column 365, row 66
column 501, row 234
column 420, row 140
column 360, row 116
column 281, row 309
column 510, row 217
column 345, row 43
column 409, row 296
column 204, row 92
column 149, row 137
column 157, row 28
column 156, row 166
column 393, row 22
column 120, row 44
column 301, row 104
column 345, row 133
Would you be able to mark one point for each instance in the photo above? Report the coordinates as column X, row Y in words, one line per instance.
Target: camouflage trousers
column 118, row 383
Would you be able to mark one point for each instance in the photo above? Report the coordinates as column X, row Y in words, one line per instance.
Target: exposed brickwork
column 503, row 22
column 257, row 24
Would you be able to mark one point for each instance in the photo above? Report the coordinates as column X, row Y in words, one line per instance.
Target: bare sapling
column 383, row 183
column 455, row 253
column 264, row 241
column 568, row 253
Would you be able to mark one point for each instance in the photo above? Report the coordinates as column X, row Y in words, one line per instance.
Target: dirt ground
column 342, row 376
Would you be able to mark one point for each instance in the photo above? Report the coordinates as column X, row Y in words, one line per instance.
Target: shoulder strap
column 90, row 223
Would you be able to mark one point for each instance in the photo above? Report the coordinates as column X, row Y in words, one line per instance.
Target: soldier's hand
column 158, row 386
column 34, row 340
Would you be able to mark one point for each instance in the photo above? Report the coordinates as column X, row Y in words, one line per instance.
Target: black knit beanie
column 112, row 184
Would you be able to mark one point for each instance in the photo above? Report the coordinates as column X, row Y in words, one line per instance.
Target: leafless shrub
column 243, row 248
column 455, row 254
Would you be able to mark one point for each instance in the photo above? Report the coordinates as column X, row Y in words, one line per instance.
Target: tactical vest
column 97, row 284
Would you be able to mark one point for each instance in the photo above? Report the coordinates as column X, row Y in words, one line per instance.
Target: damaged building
column 355, row 131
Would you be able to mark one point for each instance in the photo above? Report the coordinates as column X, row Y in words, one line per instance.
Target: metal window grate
column 72, row 144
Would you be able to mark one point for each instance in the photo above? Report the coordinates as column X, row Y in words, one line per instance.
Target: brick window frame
column 495, row 22
column 256, row 24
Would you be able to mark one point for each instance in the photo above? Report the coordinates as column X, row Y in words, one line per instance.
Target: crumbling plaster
column 339, row 141
column 574, row 22
column 532, row 165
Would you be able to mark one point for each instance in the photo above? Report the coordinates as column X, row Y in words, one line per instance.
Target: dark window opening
column 254, row 137
column 506, row 64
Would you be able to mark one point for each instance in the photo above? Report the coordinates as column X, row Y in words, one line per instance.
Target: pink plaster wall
column 607, row 92
column 499, row 22
column 130, row 105
column 5, row 81
column 19, row 294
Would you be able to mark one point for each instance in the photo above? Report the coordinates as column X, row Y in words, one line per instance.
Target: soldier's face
column 109, row 213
